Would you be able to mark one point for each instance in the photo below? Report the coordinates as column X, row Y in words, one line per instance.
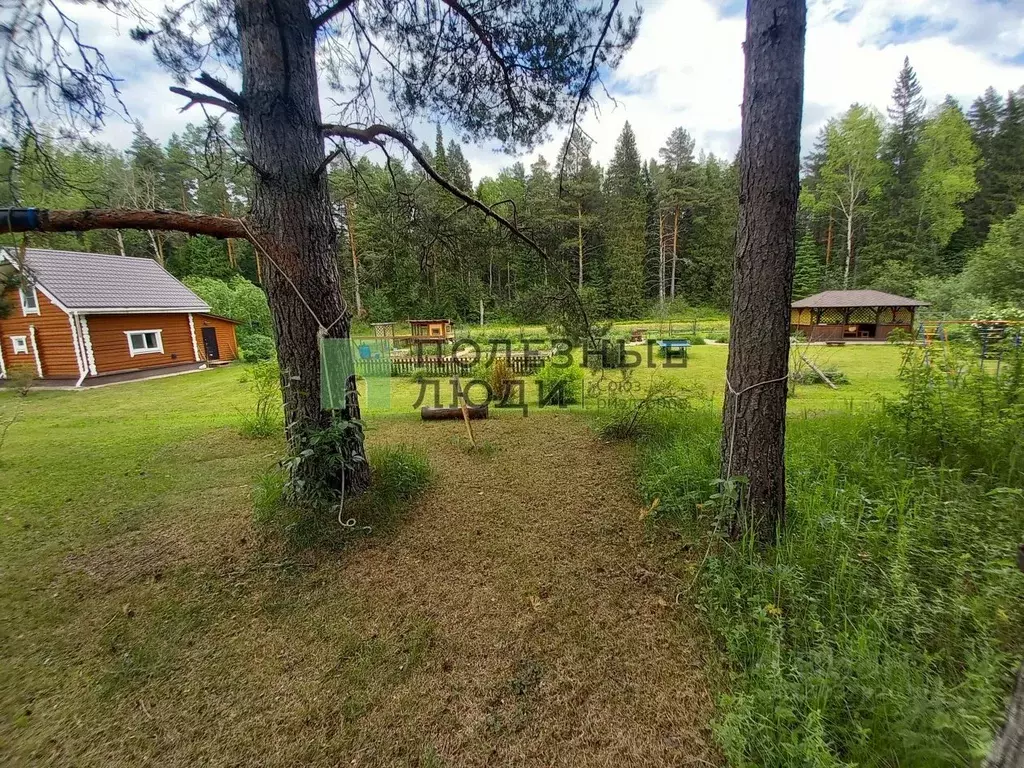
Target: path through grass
column 518, row 616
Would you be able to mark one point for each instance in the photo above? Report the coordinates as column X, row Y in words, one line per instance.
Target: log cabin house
column 87, row 318
column 853, row 315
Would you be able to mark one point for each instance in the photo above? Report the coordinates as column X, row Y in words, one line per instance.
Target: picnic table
column 674, row 349
column 674, row 344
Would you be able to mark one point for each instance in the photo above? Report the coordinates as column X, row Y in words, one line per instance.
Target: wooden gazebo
column 862, row 315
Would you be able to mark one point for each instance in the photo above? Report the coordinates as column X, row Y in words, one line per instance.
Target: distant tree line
column 923, row 201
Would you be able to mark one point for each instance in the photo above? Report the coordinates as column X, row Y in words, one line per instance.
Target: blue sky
column 686, row 68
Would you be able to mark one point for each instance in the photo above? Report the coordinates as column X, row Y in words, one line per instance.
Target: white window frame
column 25, row 311
column 158, row 349
column 19, row 344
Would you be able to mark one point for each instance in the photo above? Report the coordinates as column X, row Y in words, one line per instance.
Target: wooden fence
column 404, row 366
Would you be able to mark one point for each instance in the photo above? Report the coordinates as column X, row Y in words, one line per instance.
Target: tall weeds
column 883, row 628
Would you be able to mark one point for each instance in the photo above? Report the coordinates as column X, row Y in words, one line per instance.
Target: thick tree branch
column 331, row 11
column 44, row 220
column 207, row 80
column 200, row 98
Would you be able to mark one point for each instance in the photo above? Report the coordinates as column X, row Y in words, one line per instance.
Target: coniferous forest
column 920, row 200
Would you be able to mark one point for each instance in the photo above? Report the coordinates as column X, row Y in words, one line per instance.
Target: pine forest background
column 922, row 201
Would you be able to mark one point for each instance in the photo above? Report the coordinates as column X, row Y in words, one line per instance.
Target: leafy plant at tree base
column 316, row 473
column 398, row 474
column 265, row 418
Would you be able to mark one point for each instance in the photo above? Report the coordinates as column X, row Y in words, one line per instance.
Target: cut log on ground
column 439, row 413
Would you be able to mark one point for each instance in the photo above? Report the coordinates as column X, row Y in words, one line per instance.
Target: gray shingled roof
column 100, row 281
column 866, row 298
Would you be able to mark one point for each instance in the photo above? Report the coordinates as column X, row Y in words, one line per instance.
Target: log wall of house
column 110, row 342
column 53, row 337
column 227, row 344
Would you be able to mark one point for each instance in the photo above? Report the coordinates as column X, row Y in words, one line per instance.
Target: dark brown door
column 210, row 344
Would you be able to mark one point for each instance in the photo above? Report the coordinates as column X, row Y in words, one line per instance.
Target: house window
column 20, row 344
column 29, row 300
column 144, row 342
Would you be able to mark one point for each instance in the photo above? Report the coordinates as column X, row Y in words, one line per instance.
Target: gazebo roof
column 864, row 298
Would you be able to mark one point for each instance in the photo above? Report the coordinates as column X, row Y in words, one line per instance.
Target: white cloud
column 689, row 62
column 686, row 69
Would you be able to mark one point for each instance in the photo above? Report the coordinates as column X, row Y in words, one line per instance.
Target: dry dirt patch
column 560, row 643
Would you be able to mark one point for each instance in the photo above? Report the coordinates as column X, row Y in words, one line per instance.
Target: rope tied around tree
column 321, row 333
column 737, row 394
column 322, row 330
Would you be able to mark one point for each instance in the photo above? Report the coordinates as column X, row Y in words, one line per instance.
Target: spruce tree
column 893, row 232
column 807, row 273
column 626, row 223
column 679, row 195
column 440, row 156
column 906, row 116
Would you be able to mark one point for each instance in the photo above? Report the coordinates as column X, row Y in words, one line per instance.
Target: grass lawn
column 871, row 369
column 145, row 617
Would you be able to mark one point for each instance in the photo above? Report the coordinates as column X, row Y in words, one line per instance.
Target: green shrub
column 806, row 375
column 500, row 379
column 561, row 386
column 21, row 378
column 885, row 627
column 636, row 412
column 398, row 474
column 956, row 412
column 421, row 374
column 255, row 347
column 608, row 353
column 265, row 419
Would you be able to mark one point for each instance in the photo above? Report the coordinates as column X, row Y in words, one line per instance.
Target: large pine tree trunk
column 291, row 211
column 1008, row 749
column 754, row 419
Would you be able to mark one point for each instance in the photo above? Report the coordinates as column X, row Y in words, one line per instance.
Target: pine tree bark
column 754, row 418
column 1008, row 749
column 291, row 213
